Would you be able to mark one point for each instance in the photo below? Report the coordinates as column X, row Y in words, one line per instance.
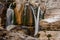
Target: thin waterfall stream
column 10, row 17
column 36, row 20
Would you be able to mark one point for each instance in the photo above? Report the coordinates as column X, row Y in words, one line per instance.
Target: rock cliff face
column 51, row 22
column 53, row 4
column 52, row 11
column 53, row 7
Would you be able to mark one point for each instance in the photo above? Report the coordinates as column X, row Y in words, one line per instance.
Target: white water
column 8, row 28
column 10, row 17
column 10, row 13
column 36, row 21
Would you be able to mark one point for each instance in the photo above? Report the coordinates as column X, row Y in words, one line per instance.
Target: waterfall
column 36, row 20
column 10, row 16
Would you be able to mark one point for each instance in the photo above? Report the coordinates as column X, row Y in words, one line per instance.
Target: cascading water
column 10, row 16
column 36, row 20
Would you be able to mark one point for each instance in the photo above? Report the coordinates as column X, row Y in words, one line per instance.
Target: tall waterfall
column 36, row 20
column 10, row 16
